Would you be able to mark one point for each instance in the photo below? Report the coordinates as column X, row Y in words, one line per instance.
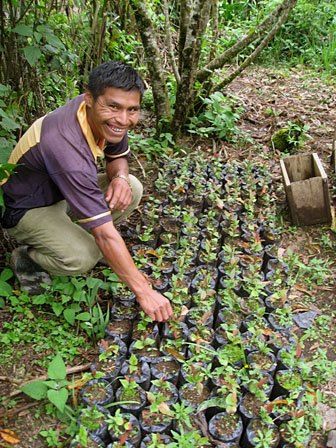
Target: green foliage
column 153, row 146
column 77, row 293
column 308, row 37
column 219, row 119
column 9, row 124
column 39, row 40
column 45, row 336
column 54, row 389
column 188, row 439
column 5, row 287
column 291, row 137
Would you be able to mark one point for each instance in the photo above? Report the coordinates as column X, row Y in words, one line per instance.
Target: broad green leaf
column 36, row 390
column 23, row 30
column 7, row 166
column 92, row 282
column 65, row 299
column 9, row 124
column 54, row 41
column 57, row 369
column 41, row 299
column 51, row 49
column 76, row 307
column 51, row 384
column 58, row 398
column 43, row 29
column 83, row 316
column 38, row 36
column 6, row 274
column 214, row 402
column 57, row 308
column 5, row 289
column 63, row 383
column 69, row 316
column 4, row 89
column 32, row 54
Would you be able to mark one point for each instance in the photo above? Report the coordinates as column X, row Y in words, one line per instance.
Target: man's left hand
column 119, row 194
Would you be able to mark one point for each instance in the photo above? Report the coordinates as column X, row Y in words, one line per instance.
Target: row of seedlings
column 226, row 367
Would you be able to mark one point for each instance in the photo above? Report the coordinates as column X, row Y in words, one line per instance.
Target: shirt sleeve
column 114, row 151
column 84, row 197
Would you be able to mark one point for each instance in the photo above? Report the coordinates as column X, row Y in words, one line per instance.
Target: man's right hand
column 155, row 305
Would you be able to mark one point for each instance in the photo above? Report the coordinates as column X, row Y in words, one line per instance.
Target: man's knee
column 82, row 260
column 137, row 190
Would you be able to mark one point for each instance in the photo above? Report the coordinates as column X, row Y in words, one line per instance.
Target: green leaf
column 4, row 89
column 23, row 30
column 76, row 307
column 6, row 274
column 50, row 49
column 69, row 316
column 83, row 316
column 41, row 299
column 58, row 398
column 51, row 384
column 32, row 54
column 43, row 29
column 9, row 124
column 57, row 369
column 36, row 390
column 57, row 308
column 62, row 383
column 5, row 289
column 214, row 402
column 54, row 41
column 38, row 36
column 93, row 282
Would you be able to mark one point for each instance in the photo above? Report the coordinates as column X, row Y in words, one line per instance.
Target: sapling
column 133, row 363
column 92, row 418
column 119, row 424
column 182, row 413
column 265, row 438
column 54, row 389
column 130, row 390
column 190, row 439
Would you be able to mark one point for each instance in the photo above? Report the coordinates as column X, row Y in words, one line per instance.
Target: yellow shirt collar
column 97, row 150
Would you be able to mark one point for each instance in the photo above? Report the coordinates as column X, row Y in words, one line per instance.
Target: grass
column 41, row 330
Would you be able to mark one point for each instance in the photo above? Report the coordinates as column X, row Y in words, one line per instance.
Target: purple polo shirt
column 56, row 160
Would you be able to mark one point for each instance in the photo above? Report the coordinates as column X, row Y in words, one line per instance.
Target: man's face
column 113, row 114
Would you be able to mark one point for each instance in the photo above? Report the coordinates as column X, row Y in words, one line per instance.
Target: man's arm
column 119, row 193
column 112, row 246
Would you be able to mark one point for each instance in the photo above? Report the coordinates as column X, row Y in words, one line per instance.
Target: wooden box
column 306, row 186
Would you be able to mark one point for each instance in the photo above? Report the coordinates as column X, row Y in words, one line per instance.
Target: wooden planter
column 306, row 186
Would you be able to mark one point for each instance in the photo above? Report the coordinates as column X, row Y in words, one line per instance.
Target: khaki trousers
column 56, row 243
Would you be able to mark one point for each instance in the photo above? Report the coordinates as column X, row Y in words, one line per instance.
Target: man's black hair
column 114, row 74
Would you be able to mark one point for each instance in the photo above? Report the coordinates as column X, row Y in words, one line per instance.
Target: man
column 57, row 171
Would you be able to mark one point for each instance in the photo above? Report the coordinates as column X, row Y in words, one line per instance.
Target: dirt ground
column 270, row 97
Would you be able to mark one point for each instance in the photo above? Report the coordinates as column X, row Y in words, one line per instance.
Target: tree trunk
column 282, row 19
column 190, row 57
column 153, row 58
column 193, row 21
column 231, row 52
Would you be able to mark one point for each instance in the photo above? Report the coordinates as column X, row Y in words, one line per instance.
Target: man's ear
column 88, row 98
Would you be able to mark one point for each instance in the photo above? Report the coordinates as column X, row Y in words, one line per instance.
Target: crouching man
column 56, row 176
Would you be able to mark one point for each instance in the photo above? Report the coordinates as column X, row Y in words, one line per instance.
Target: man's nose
column 122, row 117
